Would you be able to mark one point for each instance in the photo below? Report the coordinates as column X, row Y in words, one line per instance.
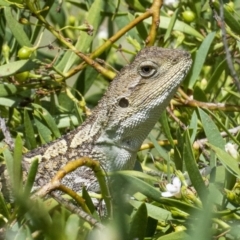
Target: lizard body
column 121, row 121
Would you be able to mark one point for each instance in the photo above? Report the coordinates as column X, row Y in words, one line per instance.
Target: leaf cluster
column 47, row 80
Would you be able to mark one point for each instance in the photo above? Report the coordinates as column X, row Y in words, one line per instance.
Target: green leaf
column 200, row 58
column 165, row 127
column 212, row 133
column 94, row 17
column 160, row 149
column 78, row 113
column 215, row 76
column 4, row 3
column 178, row 160
column 138, row 224
column 86, row 79
column 154, row 212
column 17, row 166
column 7, row 89
column 193, row 126
column 178, row 26
column 16, row 28
column 171, row 25
column 192, row 168
column 3, row 207
column 30, row 178
column 10, row 101
column 140, row 175
column 17, row 67
column 38, row 26
column 122, row 21
column 8, row 158
column 227, row 160
column 43, row 131
column 72, row 227
column 181, row 235
column 29, row 131
column 89, row 203
column 48, row 119
column 229, row 18
column 133, row 185
column 57, row 17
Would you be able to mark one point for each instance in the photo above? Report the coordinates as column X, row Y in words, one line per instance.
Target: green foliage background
column 45, row 88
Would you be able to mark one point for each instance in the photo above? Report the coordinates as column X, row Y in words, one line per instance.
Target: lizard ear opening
column 123, row 102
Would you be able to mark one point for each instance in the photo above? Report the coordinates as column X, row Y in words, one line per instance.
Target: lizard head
column 148, row 83
column 151, row 79
column 140, row 92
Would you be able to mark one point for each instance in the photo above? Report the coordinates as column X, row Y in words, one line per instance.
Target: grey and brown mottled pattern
column 121, row 121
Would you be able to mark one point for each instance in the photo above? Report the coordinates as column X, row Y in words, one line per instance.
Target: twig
column 210, row 106
column 177, row 120
column 233, row 131
column 228, row 55
column 73, row 165
column 155, row 10
column 80, row 201
column 187, row 101
column 202, row 141
column 151, row 145
column 78, row 211
column 152, row 11
column 221, row 24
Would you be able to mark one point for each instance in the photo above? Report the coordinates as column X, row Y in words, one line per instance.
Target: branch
column 73, row 165
column 78, row 211
column 221, row 24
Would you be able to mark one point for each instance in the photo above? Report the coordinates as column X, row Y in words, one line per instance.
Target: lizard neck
column 122, row 137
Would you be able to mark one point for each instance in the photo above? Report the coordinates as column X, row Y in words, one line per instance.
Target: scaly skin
column 120, row 122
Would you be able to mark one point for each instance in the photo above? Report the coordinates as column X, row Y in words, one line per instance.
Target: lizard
column 121, row 121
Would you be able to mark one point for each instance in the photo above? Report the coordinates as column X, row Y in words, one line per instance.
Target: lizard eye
column 147, row 69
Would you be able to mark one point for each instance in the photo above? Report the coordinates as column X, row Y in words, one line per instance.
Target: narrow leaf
column 31, row 177
column 192, row 168
column 17, row 167
column 212, row 133
column 133, row 185
column 16, row 67
column 94, row 17
column 193, row 126
column 48, row 119
column 43, row 131
column 3, row 206
column 165, row 127
column 89, row 203
column 216, row 75
column 160, row 149
column 7, row 90
column 176, row 236
column 154, row 212
column 29, row 131
column 178, row 26
column 227, row 160
column 138, row 223
column 200, row 58
column 171, row 25
column 16, row 28
column 72, row 227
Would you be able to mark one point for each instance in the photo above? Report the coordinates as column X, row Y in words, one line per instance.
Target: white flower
column 229, row 148
column 173, row 189
column 169, row 2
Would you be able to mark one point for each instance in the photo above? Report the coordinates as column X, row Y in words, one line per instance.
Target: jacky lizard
column 120, row 122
